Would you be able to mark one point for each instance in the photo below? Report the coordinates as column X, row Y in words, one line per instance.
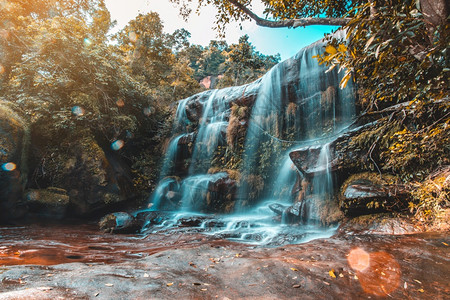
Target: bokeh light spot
column 358, row 259
column 77, row 111
column 120, row 103
column 132, row 36
column 9, row 166
column 87, row 42
column 117, row 145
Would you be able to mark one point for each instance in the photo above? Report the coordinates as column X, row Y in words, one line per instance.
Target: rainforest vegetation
column 74, row 81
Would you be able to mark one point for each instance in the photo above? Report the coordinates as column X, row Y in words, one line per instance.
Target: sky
column 286, row 42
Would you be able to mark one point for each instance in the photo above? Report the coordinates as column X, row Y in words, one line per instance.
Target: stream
column 77, row 261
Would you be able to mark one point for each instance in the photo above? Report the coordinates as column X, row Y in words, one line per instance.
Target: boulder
column 14, row 141
column 345, row 155
column 95, row 178
column 367, row 193
column 120, row 222
column 50, row 203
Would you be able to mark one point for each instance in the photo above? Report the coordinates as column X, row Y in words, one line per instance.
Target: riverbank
column 80, row 262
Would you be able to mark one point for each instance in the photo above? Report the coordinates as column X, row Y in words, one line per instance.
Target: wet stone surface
column 80, row 262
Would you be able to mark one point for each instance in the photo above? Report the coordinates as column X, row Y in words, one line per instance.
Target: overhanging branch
column 289, row 23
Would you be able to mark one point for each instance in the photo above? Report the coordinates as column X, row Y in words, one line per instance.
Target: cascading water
column 209, row 135
column 297, row 104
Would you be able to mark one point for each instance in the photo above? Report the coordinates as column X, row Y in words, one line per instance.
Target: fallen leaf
column 341, row 275
column 170, row 284
column 331, row 272
column 294, row 269
column 417, row 281
column 96, row 294
column 44, row 288
column 204, row 290
column 327, row 283
column 109, row 284
column 146, row 275
column 296, row 286
column 445, row 244
column 405, row 286
column 421, row 290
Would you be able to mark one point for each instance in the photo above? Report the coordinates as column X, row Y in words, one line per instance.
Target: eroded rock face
column 14, row 140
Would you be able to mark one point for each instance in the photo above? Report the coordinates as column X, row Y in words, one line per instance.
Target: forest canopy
column 61, row 66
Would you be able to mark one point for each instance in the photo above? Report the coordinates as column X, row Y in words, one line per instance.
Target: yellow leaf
column 342, row 48
column 170, row 284
column 330, row 49
column 331, row 272
column 421, row 290
column 109, row 284
column 445, row 244
column 294, row 269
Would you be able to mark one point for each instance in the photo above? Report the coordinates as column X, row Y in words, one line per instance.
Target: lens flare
column 358, row 259
column 378, row 272
column 77, row 111
column 117, row 145
column 9, row 166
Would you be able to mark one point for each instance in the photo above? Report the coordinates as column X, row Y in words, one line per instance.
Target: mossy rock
column 370, row 193
column 95, row 177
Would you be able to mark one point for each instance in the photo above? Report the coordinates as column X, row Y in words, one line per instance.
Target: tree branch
column 288, row 23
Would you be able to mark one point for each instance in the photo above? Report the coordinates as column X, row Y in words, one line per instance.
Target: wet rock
column 50, row 203
column 366, row 193
column 150, row 218
column 120, row 222
column 345, row 155
column 14, row 141
column 383, row 223
column 277, row 208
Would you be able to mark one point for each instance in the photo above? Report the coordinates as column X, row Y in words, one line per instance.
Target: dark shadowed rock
column 14, row 141
column 48, row 203
column 366, row 193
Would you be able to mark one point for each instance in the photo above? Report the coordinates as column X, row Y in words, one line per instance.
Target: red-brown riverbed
column 79, row 262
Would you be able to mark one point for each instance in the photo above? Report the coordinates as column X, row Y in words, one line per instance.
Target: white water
column 314, row 108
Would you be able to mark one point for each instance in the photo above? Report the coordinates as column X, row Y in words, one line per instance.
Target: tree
column 244, row 64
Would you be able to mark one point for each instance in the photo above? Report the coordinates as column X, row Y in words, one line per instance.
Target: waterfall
column 296, row 104
column 212, row 124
